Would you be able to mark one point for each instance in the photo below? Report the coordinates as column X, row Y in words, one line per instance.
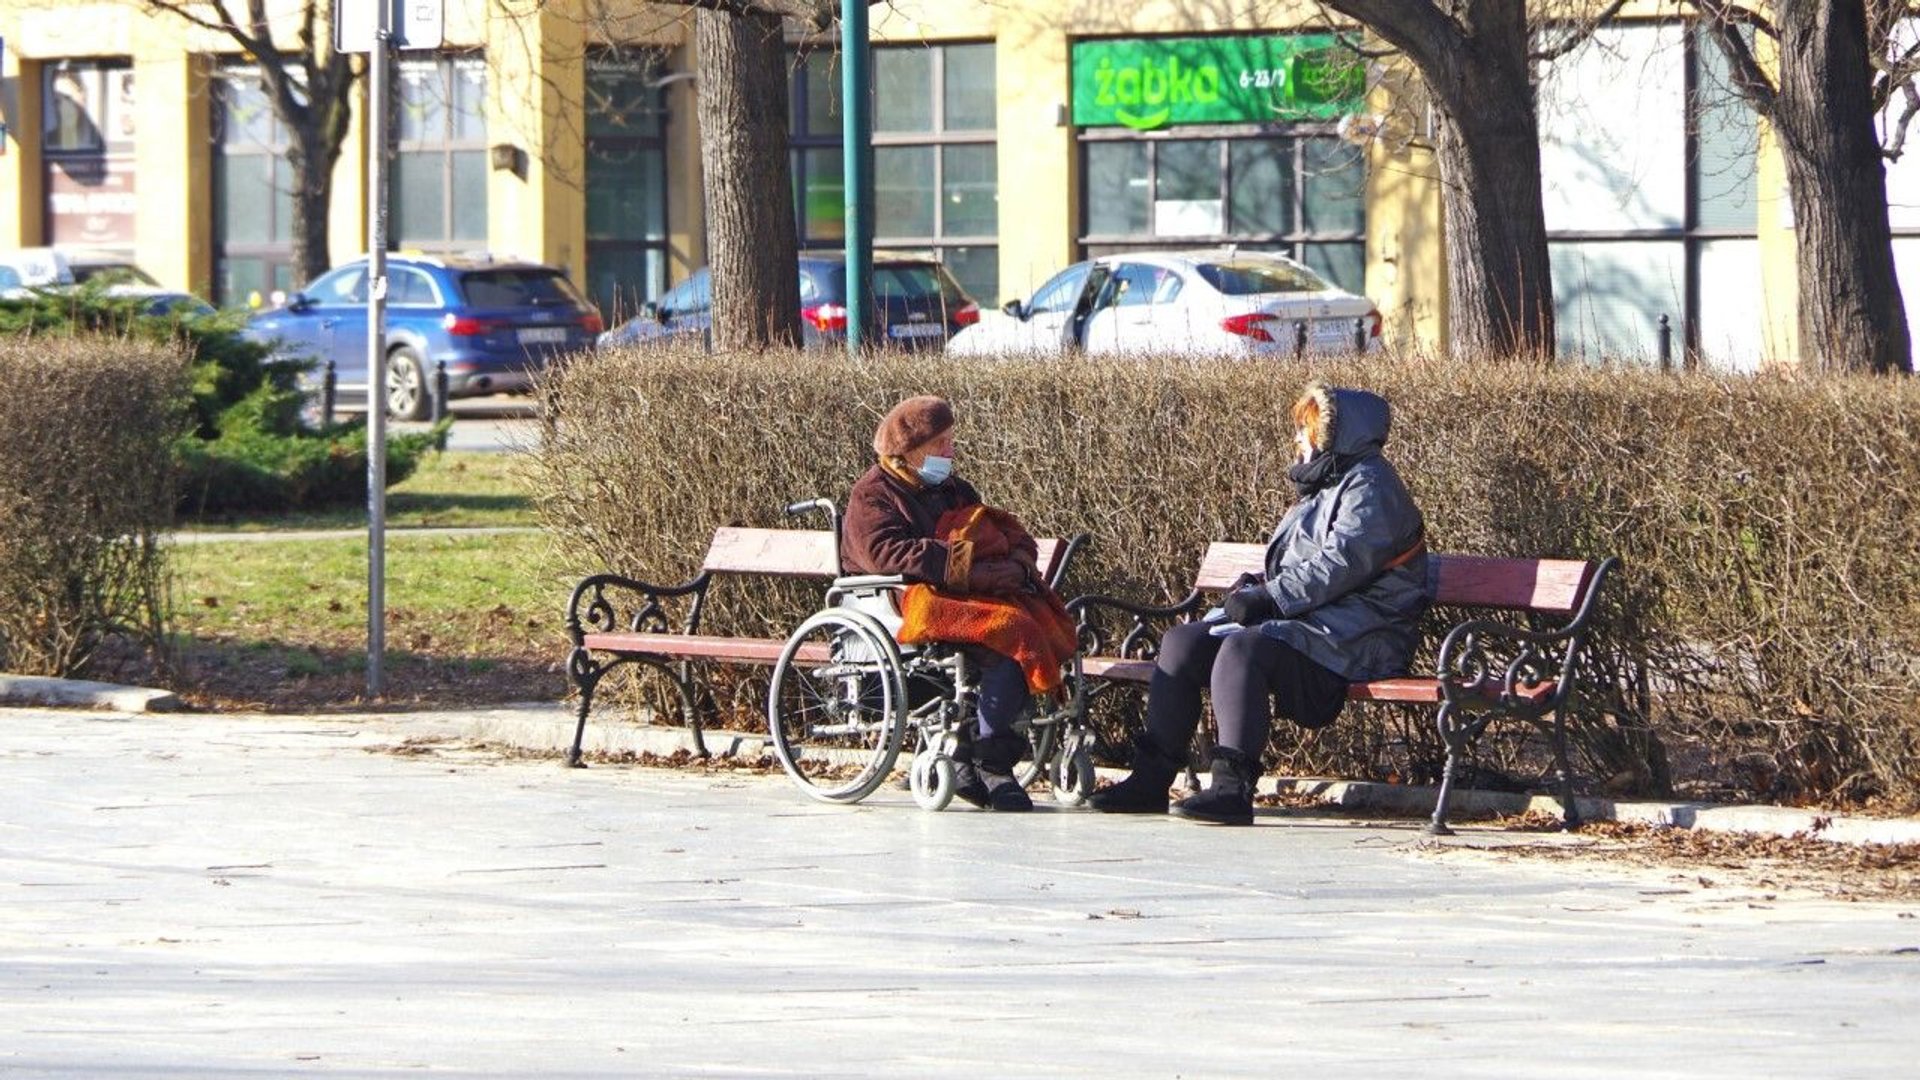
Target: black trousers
column 1249, row 674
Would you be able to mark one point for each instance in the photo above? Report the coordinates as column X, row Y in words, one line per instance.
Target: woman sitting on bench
column 975, row 575
column 1340, row 602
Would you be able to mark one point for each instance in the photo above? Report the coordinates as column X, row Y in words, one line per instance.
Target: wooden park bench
column 616, row 621
column 1487, row 669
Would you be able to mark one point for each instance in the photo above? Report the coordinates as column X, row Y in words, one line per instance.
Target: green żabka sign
column 1148, row 83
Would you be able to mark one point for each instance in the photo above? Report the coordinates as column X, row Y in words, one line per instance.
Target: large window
column 253, row 186
column 88, row 131
column 1297, row 190
column 1652, row 203
column 626, row 181
column 935, row 163
column 439, row 192
column 1903, row 188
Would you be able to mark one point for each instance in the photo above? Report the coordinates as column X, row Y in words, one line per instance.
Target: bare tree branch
column 1912, row 105
column 309, row 88
column 1750, row 80
column 1345, row 37
column 1578, row 33
column 1403, row 24
column 189, row 11
column 1895, row 73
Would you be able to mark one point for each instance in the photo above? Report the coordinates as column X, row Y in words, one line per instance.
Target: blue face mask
column 935, row 470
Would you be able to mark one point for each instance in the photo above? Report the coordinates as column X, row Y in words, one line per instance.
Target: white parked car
column 25, row 270
column 1218, row 303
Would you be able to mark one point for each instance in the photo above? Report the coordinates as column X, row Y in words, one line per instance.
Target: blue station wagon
column 494, row 322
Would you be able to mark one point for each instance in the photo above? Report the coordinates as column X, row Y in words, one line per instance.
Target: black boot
column 1144, row 791
column 968, row 787
column 1228, row 799
column 994, row 760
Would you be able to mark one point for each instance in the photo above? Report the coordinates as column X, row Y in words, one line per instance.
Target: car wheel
column 407, row 394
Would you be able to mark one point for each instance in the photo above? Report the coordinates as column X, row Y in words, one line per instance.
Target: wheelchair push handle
column 823, row 505
column 805, row 505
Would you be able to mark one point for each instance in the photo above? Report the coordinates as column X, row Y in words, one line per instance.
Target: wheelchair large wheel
column 836, row 706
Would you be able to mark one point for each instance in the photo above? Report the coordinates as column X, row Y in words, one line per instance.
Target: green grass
column 449, row 595
column 451, row 489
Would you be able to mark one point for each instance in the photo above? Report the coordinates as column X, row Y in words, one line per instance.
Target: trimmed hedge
column 85, row 492
column 1765, row 634
column 249, row 448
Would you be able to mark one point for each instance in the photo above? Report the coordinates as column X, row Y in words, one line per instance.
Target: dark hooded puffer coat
column 1324, row 561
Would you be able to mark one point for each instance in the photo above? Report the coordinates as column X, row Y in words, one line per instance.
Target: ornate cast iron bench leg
column 1453, row 732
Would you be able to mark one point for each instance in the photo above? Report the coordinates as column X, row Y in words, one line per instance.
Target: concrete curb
column 78, row 693
column 549, row 727
column 1768, row 820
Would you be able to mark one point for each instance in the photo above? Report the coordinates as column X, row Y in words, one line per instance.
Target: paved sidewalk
column 194, row 896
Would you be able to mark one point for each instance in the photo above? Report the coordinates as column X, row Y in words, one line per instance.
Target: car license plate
column 542, row 335
column 916, row 330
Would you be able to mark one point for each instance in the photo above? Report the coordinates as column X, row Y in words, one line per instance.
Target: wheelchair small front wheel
column 1071, row 773
column 931, row 780
column 835, row 706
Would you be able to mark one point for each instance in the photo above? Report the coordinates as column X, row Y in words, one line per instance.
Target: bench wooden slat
column 703, row 647
column 1113, row 667
column 804, row 553
column 1049, row 555
column 801, row 553
column 1224, row 563
column 1419, row 691
column 1410, row 690
column 1556, row 585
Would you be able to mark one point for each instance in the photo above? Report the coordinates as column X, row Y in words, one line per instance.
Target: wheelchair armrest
column 868, row 582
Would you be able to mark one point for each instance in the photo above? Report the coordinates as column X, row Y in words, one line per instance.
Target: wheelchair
column 846, row 699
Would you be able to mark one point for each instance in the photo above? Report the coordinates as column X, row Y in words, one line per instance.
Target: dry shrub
column 1765, row 631
column 86, row 488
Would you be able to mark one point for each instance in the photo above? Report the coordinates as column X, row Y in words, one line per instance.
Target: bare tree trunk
column 1851, row 317
column 1499, row 278
column 748, row 183
column 1474, row 58
column 312, row 198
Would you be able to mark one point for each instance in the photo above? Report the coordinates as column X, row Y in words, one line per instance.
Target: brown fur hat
column 1314, row 410
column 914, row 422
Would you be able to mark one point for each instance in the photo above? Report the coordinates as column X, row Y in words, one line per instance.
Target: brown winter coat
column 890, row 528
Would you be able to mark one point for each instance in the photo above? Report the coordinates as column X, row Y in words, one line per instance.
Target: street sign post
column 377, row 28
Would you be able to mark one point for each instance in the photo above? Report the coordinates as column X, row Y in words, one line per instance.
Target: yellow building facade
column 567, row 131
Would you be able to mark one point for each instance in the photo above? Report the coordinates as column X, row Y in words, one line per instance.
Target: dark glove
column 1251, row 604
column 997, row 577
column 1245, row 580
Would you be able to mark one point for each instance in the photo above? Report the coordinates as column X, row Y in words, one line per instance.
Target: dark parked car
column 917, row 305
column 494, row 322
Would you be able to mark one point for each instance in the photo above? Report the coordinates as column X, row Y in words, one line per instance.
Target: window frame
column 275, row 254
column 447, row 68
column 1293, row 241
column 937, row 138
column 1689, row 236
column 657, row 250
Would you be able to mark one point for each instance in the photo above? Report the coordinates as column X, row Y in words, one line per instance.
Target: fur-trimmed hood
column 1352, row 423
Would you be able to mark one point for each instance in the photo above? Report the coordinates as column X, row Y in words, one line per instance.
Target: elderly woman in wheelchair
column 945, row 608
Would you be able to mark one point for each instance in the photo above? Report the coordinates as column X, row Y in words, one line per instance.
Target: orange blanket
column 1033, row 628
